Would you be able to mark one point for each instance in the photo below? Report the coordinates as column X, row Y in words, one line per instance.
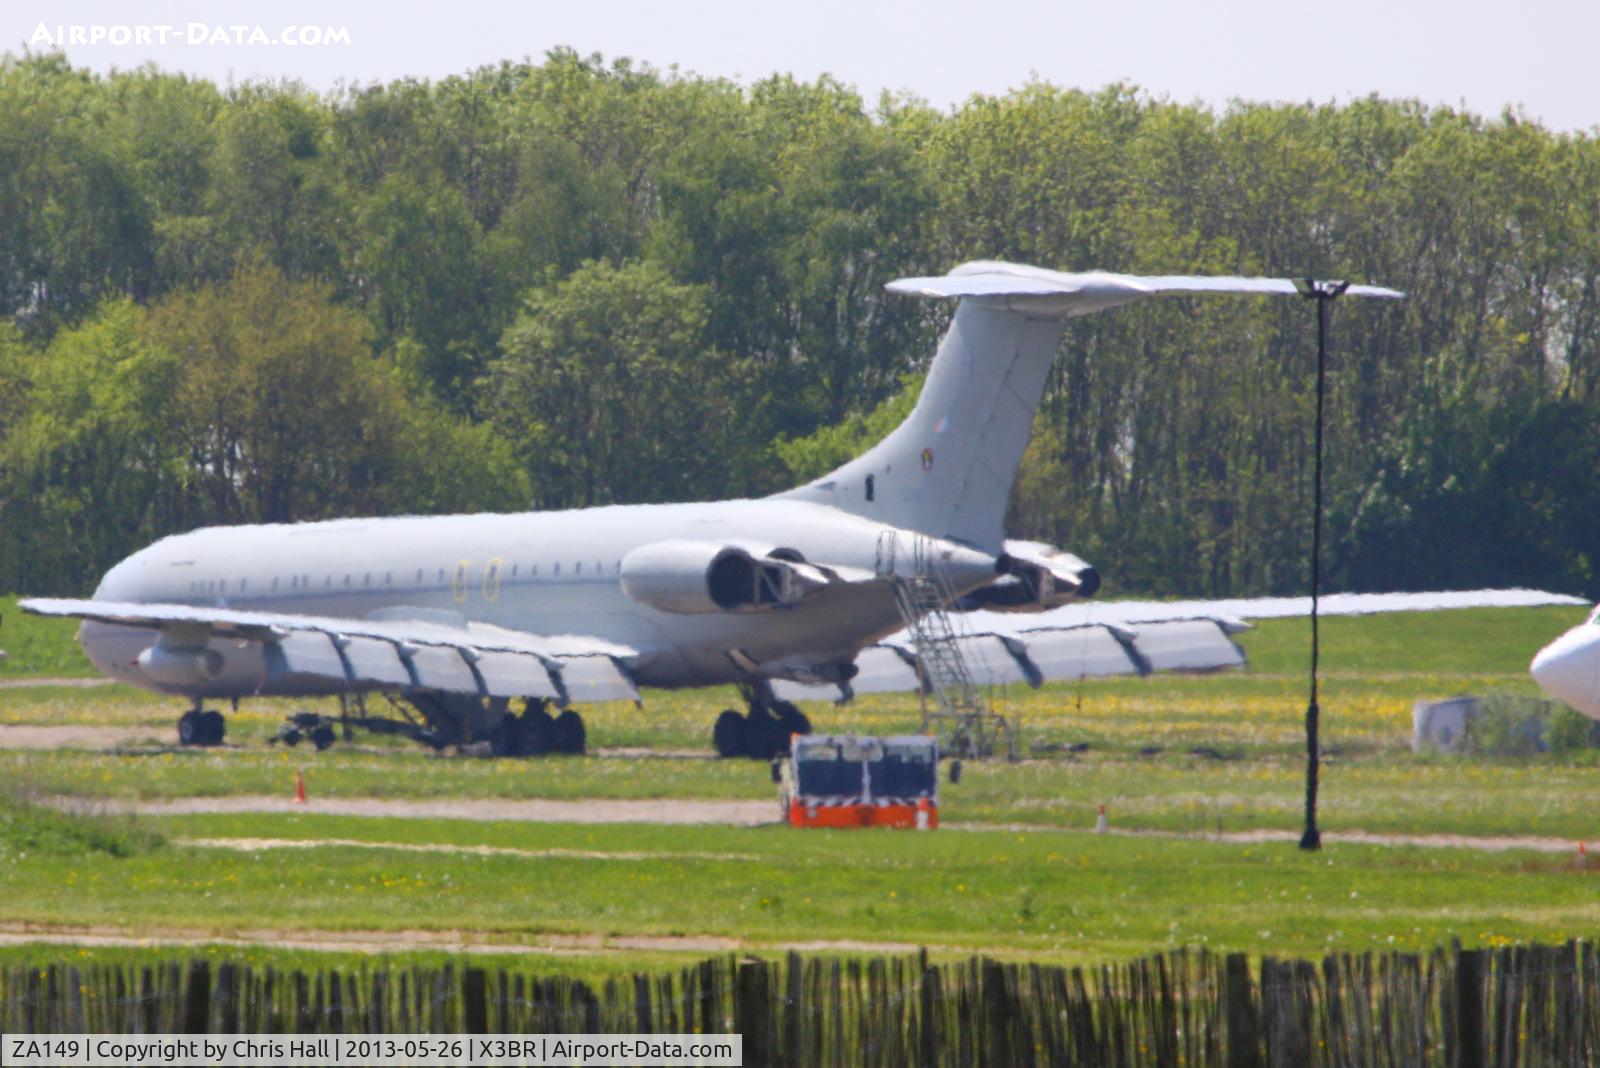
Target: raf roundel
column 927, row 459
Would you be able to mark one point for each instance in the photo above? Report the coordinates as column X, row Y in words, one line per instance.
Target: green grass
column 38, row 646
column 1047, row 895
column 1463, row 641
column 1038, row 893
column 1535, row 796
column 1373, row 783
column 28, row 827
column 595, row 967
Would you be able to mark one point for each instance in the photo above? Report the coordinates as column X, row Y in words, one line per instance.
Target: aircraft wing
column 1040, row 651
column 1090, row 639
column 399, row 653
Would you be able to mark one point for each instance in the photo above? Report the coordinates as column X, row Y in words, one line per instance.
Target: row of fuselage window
column 459, row 578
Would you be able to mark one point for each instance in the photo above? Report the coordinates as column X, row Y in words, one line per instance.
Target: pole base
column 1311, row 840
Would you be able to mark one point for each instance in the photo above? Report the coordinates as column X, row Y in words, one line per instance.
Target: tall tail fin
column 947, row 470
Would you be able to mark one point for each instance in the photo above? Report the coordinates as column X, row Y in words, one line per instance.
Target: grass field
column 1440, row 795
column 1039, row 891
column 1060, row 896
column 38, row 646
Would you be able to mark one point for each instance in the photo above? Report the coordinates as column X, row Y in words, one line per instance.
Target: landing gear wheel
column 791, row 721
column 536, row 731
column 765, row 736
column 570, row 737
column 503, row 739
column 212, row 727
column 321, row 736
column 190, row 732
column 730, row 735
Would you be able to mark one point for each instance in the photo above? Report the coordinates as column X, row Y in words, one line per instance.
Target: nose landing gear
column 202, row 727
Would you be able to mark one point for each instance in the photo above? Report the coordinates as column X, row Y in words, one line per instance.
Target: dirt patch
column 76, row 737
column 254, row 845
column 734, row 814
column 478, row 942
column 18, row 684
column 639, row 752
column 1490, row 843
column 658, row 811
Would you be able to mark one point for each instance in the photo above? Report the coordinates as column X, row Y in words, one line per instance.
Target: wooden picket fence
column 1518, row 1005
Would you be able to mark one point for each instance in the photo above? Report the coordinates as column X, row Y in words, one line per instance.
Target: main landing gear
column 200, row 726
column 537, row 733
column 764, row 732
column 489, row 727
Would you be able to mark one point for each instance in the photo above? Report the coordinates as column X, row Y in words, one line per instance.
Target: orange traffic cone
column 1582, row 859
column 1101, row 825
column 299, row 788
column 923, row 822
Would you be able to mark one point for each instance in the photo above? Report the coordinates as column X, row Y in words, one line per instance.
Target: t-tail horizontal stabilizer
column 947, row 470
column 1037, row 291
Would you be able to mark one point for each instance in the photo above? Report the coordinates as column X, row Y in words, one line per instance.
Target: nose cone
column 1569, row 668
column 122, row 582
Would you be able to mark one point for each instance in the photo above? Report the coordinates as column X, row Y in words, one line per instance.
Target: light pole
column 1323, row 293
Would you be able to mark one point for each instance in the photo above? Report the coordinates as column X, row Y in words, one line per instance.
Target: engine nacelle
column 1035, row 577
column 696, row 577
column 180, row 666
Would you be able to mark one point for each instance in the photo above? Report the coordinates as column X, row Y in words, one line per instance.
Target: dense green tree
column 91, row 468
column 419, row 263
column 275, row 192
column 577, row 280
column 73, row 224
column 603, row 389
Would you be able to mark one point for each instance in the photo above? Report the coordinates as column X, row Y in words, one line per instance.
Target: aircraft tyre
column 213, row 728
column 321, row 736
column 791, row 721
column 536, row 731
column 190, row 732
column 503, row 740
column 570, row 737
column 765, row 737
column 730, row 735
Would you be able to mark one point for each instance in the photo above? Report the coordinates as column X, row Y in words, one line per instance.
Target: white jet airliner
column 1569, row 667
column 460, row 614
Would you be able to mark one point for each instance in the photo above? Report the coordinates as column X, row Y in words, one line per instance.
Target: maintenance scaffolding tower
column 959, row 714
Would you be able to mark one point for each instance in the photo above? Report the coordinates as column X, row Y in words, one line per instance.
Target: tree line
column 570, row 282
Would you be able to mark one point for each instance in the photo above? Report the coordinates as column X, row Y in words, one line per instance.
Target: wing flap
column 991, row 661
column 1080, row 652
column 374, row 662
column 1186, row 645
column 596, row 678
column 306, row 653
column 515, row 675
column 439, row 667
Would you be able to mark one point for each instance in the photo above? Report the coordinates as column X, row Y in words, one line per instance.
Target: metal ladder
column 922, row 598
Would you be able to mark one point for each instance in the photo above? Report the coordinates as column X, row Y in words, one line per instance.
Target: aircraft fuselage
column 549, row 573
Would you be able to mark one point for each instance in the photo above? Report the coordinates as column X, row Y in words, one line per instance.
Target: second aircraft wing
column 1095, row 638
